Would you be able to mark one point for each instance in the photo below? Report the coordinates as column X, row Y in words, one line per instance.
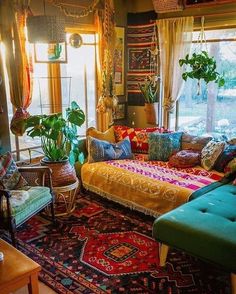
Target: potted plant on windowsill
column 202, row 67
column 149, row 91
column 59, row 141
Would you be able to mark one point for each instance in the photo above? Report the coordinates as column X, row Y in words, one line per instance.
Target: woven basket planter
column 63, row 173
column 162, row 6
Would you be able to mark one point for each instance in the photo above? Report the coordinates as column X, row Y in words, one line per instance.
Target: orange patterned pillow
column 185, row 159
column 138, row 136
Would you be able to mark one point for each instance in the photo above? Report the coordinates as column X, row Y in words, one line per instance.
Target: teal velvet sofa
column 204, row 227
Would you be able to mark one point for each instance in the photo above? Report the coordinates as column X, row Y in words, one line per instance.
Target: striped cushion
column 10, row 177
column 38, row 198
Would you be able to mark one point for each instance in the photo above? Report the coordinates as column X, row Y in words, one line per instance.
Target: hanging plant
column 202, row 67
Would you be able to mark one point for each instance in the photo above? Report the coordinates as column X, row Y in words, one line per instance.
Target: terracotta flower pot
column 151, row 110
column 63, row 173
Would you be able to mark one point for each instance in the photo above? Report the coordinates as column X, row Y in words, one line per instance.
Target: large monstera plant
column 201, row 67
column 58, row 135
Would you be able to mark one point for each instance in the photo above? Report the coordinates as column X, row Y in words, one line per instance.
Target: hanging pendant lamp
column 46, row 28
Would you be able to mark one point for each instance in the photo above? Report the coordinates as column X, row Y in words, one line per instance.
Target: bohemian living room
column 117, row 146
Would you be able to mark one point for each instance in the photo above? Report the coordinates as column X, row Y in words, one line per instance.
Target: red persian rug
column 105, row 248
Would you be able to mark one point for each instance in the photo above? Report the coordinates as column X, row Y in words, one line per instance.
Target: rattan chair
column 40, row 196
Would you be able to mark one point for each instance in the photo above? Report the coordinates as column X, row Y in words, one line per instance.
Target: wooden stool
column 17, row 270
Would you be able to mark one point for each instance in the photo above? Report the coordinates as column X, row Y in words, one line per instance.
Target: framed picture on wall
column 50, row 53
column 119, row 61
column 120, row 112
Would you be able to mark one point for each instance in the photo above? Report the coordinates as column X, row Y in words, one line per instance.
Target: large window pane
column 213, row 110
column 78, row 82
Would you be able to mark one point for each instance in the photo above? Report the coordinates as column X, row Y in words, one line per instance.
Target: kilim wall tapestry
column 141, row 42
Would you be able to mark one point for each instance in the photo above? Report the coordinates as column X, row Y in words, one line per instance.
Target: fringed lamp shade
column 46, row 29
column 162, row 6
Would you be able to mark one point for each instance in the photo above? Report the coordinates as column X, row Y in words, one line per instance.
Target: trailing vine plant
column 202, row 67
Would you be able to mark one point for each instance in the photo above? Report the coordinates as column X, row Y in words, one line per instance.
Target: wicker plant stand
column 65, row 199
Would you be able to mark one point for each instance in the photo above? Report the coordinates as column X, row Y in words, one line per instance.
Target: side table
column 17, row 270
column 65, row 199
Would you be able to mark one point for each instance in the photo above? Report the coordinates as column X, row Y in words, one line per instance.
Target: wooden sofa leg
column 163, row 251
column 233, row 283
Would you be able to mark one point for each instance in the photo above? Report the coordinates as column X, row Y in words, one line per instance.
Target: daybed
column 150, row 186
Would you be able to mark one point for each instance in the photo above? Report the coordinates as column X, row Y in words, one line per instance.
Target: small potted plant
column 201, row 67
column 149, row 91
column 59, row 141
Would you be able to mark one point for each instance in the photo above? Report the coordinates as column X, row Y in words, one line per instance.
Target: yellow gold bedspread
column 150, row 187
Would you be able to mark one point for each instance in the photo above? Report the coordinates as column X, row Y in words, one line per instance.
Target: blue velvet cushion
column 100, row 150
column 162, row 146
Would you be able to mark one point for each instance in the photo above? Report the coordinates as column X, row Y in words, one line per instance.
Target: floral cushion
column 162, row 146
column 100, row 150
column 210, row 154
column 227, row 155
column 185, row 159
column 108, row 135
column 138, row 136
column 190, row 142
column 10, row 177
column 230, row 168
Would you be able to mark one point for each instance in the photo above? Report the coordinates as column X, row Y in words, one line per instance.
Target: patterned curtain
column 175, row 38
column 106, row 40
column 19, row 68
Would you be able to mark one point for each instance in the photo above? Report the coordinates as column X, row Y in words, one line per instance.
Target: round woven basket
column 63, row 173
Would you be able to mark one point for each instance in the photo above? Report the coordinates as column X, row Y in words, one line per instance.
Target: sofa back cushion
column 108, row 135
column 210, row 154
column 162, row 146
column 190, row 142
column 10, row 177
column 185, row 159
column 138, row 136
column 100, row 150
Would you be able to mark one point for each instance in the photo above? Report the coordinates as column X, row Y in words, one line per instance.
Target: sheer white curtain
column 175, row 38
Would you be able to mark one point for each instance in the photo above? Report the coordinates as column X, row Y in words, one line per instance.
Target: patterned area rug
column 106, row 248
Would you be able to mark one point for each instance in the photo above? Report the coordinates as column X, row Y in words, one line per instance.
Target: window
column 77, row 78
column 213, row 111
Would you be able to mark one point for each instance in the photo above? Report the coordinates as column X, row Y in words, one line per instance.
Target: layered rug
column 105, row 248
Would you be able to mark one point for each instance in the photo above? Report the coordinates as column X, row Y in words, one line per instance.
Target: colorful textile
column 162, row 146
column 140, row 42
column 190, row 142
column 185, row 159
column 210, row 154
column 230, row 168
column 151, row 187
column 99, row 150
column 10, row 178
column 138, row 136
column 228, row 154
column 105, row 248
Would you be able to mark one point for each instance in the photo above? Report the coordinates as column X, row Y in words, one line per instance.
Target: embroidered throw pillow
column 138, row 136
column 227, row 155
column 162, row 146
column 185, row 159
column 10, row 177
column 230, row 168
column 190, row 142
column 100, row 150
column 108, row 135
column 210, row 154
